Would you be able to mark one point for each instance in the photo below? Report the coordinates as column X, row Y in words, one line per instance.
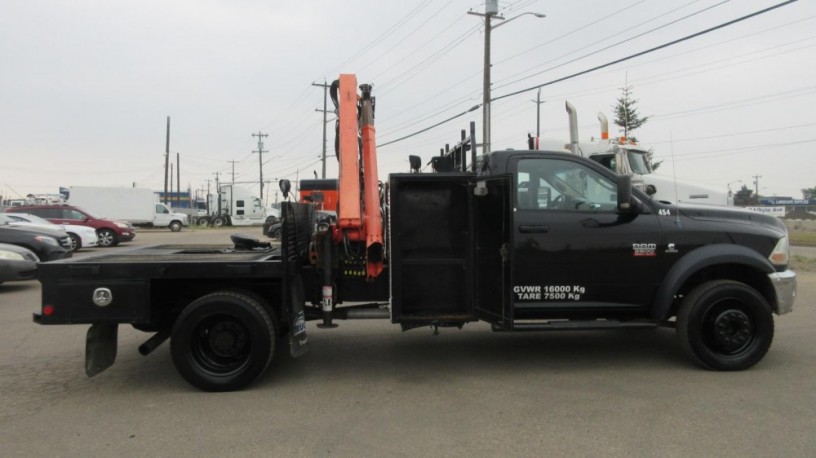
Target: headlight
column 781, row 252
column 11, row 256
column 47, row 240
column 122, row 225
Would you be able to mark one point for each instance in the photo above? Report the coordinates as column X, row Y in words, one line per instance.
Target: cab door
column 490, row 258
column 572, row 249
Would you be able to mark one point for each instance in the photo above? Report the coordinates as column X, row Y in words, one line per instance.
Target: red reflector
column 48, row 310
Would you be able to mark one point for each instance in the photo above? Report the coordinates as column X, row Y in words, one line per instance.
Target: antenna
column 674, row 173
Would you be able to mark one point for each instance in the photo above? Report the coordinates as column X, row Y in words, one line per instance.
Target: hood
column 731, row 215
column 58, row 234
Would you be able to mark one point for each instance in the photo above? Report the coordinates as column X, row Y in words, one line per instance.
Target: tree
column 628, row 119
column 809, row 193
column 626, row 113
column 744, row 197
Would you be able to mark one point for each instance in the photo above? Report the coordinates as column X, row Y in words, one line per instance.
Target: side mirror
column 625, row 203
column 285, row 187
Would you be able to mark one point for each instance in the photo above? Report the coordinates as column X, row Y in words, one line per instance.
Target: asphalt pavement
column 368, row 389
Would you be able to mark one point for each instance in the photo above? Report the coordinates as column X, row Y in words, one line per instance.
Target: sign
column 773, row 211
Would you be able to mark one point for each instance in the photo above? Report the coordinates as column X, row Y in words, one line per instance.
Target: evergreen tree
column 626, row 113
column 628, row 119
column 809, row 193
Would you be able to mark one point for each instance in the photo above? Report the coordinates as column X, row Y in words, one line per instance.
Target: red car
column 110, row 233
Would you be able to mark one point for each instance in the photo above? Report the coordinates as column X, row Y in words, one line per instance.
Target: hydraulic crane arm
column 359, row 217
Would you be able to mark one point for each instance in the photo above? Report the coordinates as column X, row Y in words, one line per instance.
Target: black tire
column 725, row 325
column 223, row 341
column 107, row 238
column 76, row 242
column 218, row 221
column 275, row 233
column 175, row 226
column 203, row 221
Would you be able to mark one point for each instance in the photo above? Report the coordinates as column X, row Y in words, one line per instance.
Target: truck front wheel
column 175, row 226
column 725, row 325
column 223, row 341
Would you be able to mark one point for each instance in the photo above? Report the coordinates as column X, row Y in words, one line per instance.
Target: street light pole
column 491, row 11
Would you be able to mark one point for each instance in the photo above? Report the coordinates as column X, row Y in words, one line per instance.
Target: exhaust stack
column 573, row 128
column 604, row 126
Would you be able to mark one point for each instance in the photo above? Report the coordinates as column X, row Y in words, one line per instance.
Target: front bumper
column 127, row 235
column 784, row 284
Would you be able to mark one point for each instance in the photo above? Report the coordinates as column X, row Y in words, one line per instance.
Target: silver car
column 17, row 263
column 81, row 236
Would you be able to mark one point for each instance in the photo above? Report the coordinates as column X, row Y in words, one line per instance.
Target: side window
column 161, row 209
column 72, row 214
column 47, row 212
column 557, row 184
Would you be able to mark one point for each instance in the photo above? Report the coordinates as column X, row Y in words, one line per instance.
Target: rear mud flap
column 100, row 348
column 297, row 336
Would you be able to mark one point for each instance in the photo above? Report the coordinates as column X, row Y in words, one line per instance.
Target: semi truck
column 138, row 206
column 626, row 156
column 523, row 240
column 233, row 205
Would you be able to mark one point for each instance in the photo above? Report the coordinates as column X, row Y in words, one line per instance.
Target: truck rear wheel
column 219, row 221
column 725, row 325
column 223, row 341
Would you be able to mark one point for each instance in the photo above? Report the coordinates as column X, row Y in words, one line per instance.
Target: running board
column 574, row 325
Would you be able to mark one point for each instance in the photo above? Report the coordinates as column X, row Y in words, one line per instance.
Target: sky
column 86, row 87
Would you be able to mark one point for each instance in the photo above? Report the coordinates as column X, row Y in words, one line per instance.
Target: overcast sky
column 86, row 86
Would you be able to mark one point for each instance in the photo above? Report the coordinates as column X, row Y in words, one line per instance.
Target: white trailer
column 139, row 206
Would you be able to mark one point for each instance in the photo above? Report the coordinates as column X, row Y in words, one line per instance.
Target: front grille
column 65, row 242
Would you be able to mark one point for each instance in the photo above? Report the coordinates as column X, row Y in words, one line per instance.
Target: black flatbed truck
column 492, row 246
column 524, row 240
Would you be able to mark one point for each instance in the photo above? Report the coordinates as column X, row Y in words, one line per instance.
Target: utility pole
column 538, row 103
column 260, row 152
column 166, row 159
column 217, row 194
column 756, row 185
column 491, row 12
column 233, row 170
column 178, row 180
column 325, row 112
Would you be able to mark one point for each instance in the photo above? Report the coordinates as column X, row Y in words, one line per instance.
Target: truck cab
column 541, row 240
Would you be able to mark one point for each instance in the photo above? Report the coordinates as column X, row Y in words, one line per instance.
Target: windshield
column 28, row 218
column 638, row 163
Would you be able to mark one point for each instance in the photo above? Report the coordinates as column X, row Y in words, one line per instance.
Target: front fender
column 698, row 259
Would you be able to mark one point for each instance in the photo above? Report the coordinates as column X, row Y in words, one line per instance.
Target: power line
column 614, row 44
column 608, row 64
column 651, row 50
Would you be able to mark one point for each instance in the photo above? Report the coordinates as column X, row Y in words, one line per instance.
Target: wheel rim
column 221, row 345
column 105, row 238
column 74, row 242
column 729, row 328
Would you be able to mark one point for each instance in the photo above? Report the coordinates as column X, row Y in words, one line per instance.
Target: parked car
column 17, row 263
column 47, row 244
column 110, row 233
column 272, row 227
column 81, row 236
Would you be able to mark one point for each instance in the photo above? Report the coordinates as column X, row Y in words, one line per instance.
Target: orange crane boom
column 359, row 217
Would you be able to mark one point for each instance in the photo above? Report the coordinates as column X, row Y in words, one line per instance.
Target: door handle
column 533, row 229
